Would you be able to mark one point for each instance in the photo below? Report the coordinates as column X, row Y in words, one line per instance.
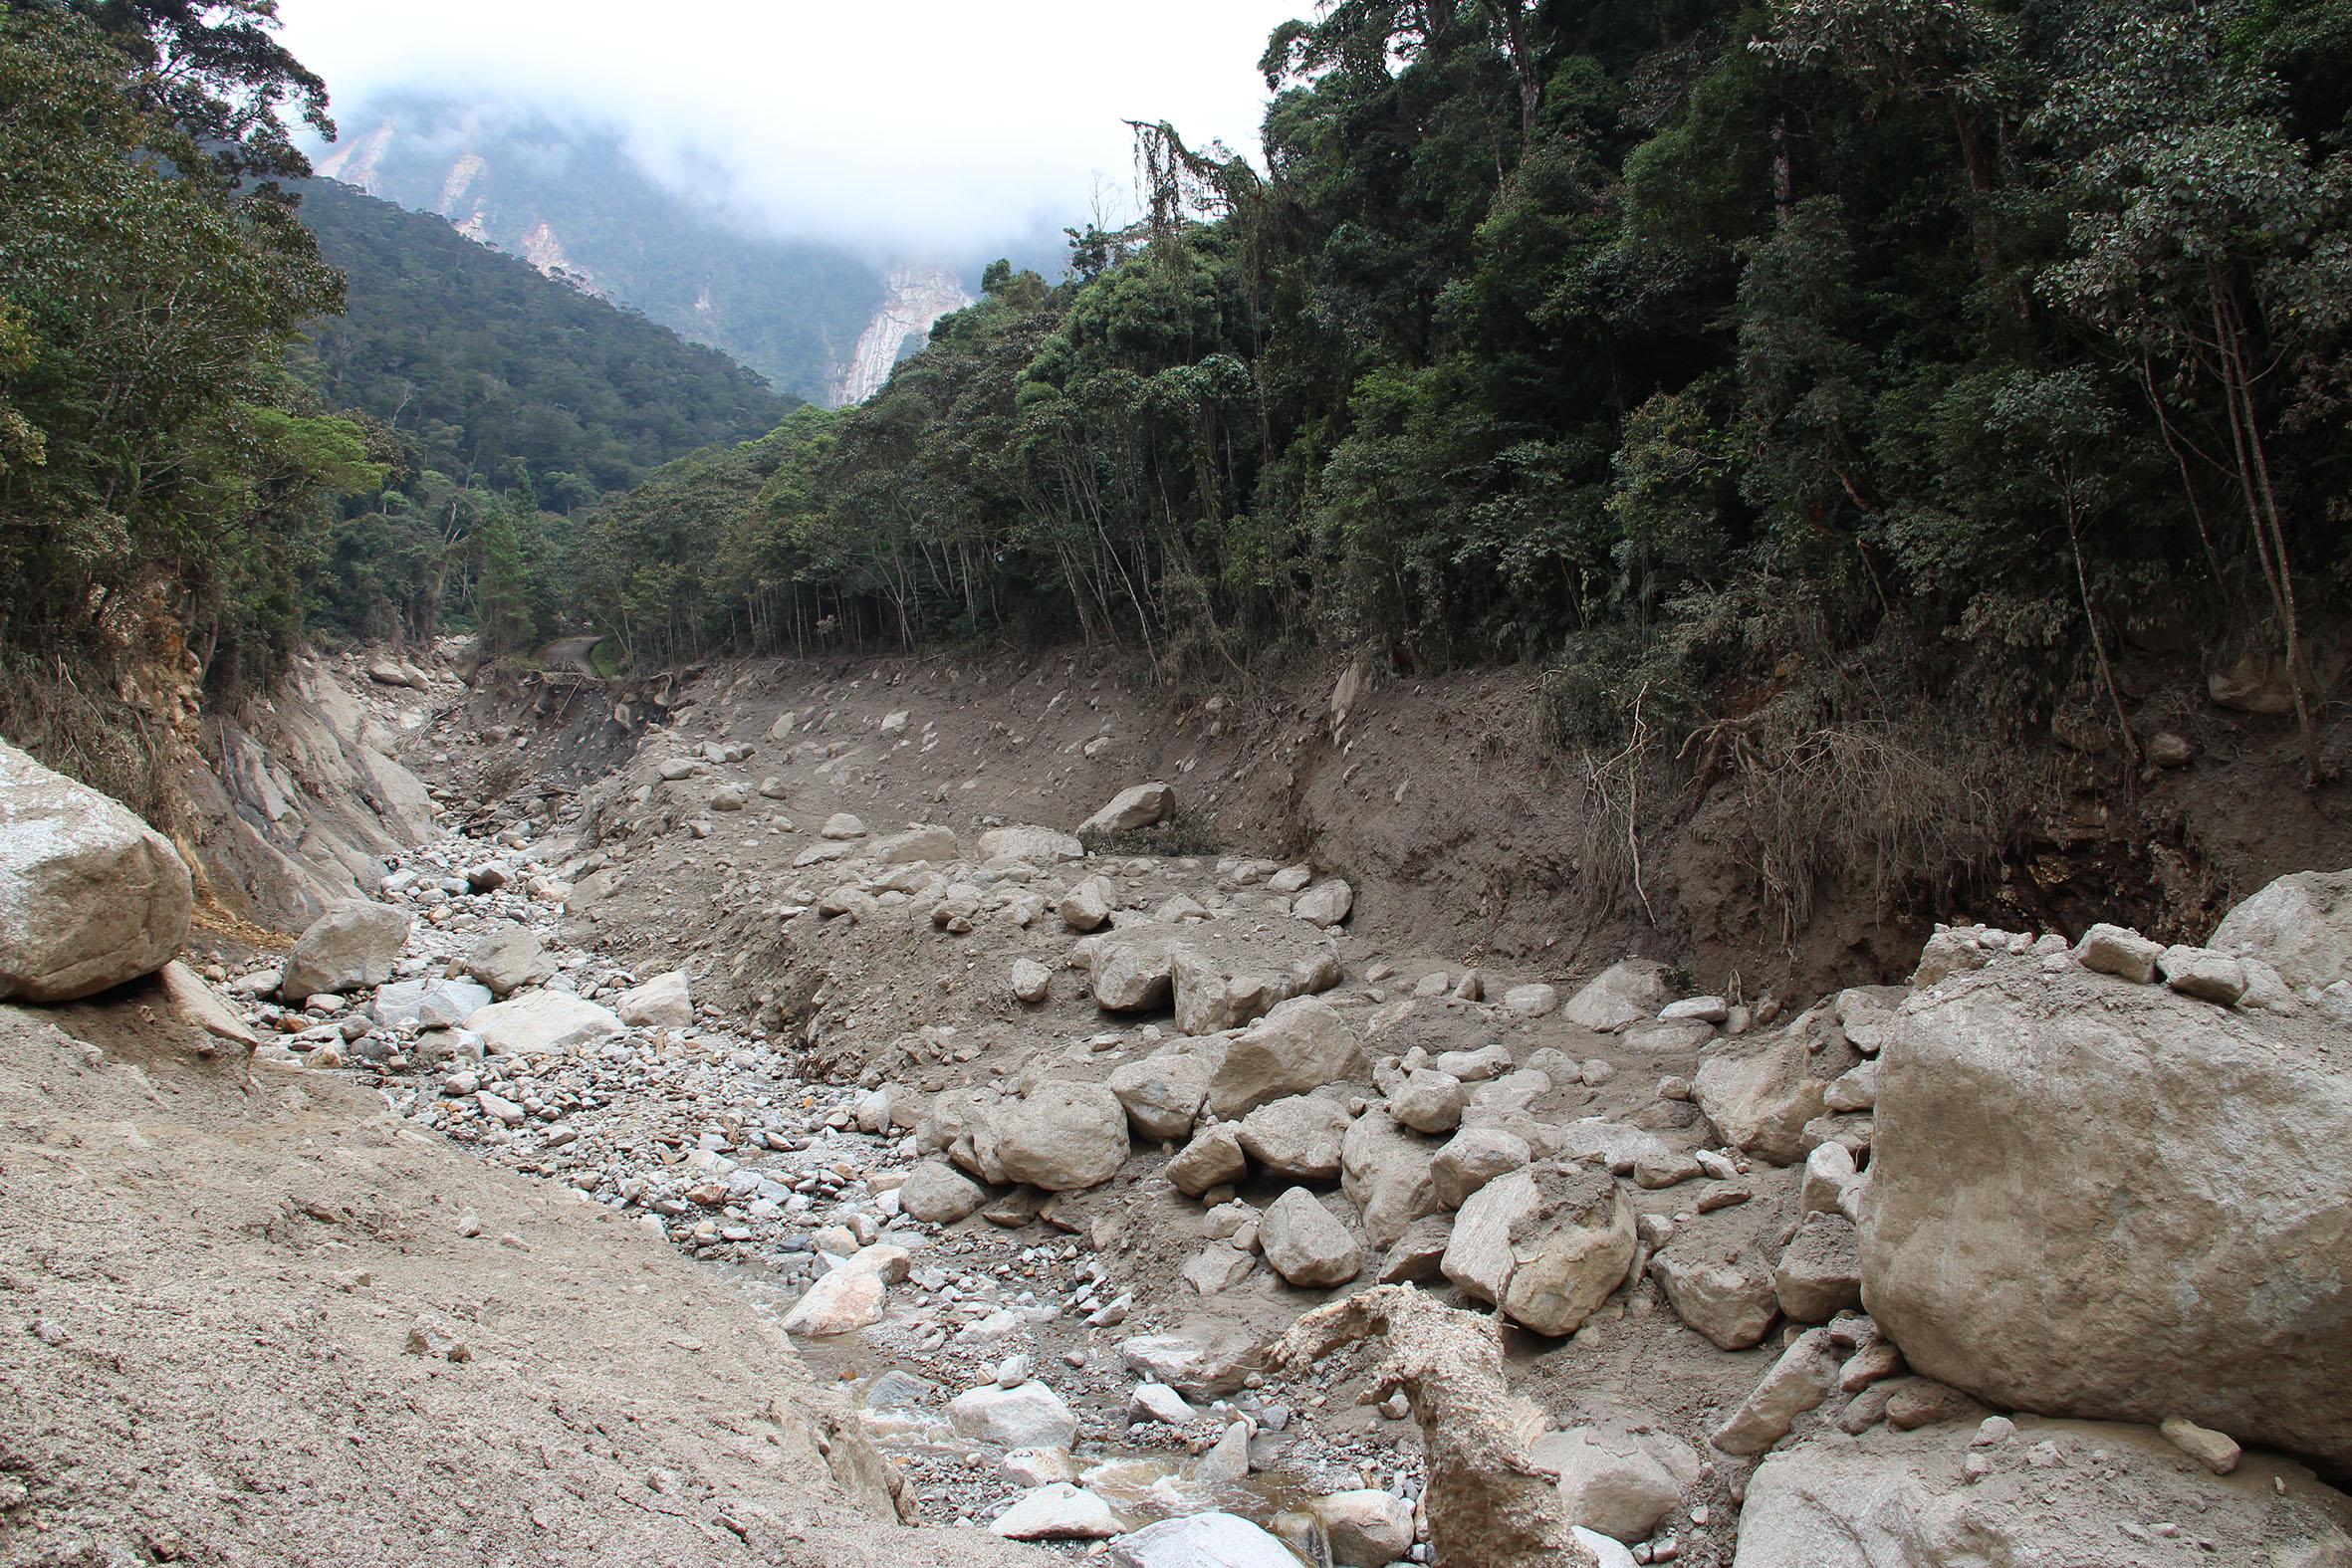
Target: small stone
column 2114, row 949
column 1532, row 1000
column 1038, row 1467
column 1031, row 981
column 1158, row 1402
column 1705, row 1009
column 2213, row 1450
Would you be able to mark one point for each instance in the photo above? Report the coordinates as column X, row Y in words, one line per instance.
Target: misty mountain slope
column 489, row 369
column 573, row 200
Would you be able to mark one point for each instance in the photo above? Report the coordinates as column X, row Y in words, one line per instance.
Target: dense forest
column 1864, row 363
column 504, row 402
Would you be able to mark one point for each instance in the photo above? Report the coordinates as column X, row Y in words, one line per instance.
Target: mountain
column 490, row 372
column 572, row 201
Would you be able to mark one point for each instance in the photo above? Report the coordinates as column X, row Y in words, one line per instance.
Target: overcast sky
column 905, row 124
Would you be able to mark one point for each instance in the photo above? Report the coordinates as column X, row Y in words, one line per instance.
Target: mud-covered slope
column 208, row 1286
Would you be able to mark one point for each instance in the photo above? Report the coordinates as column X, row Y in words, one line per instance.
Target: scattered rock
column 1385, row 1172
column 936, row 1193
column 1031, row 981
column 1923, row 1402
column 1036, row 846
column 1324, row 904
column 1820, row 1273
column 2213, row 1450
column 1798, row 1382
column 194, row 1004
column 1420, row 1253
column 1532, row 1000
column 1163, row 1092
column 841, row 825
column 927, row 843
column 1474, row 1157
column 1366, row 1528
column 1725, row 1294
column 1202, row 1540
column 2114, row 949
column 1212, row 1159
column 1300, row 1046
column 2204, row 973
column 507, row 959
column 1086, row 906
column 1618, row 1483
column 1428, row 1102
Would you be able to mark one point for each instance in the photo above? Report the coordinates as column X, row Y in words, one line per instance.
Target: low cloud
column 922, row 127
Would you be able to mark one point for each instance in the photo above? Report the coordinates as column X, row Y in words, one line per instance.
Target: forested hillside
column 1885, row 364
column 572, row 196
column 503, row 401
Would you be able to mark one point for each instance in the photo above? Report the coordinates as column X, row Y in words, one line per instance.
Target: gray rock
column 1532, row 1000
column 1998, row 1253
column 1387, row 1173
column 1616, row 1482
column 1036, row 846
column 897, row 1390
column 927, row 843
column 1546, row 1245
column 1799, row 1381
column 1820, row 1273
column 936, row 1193
column 1305, row 1245
column 1474, row 1157
column 663, row 1003
column 544, row 1022
column 2202, row 973
column 1141, row 805
column 1366, row 1528
column 352, row 946
column 2118, row 951
column 1301, row 1045
column 1324, row 904
column 1420, row 1253
column 841, row 825
column 1627, row 991
column 1086, row 906
column 1202, row 1540
column 1158, row 1402
column 1760, row 1091
column 1163, row 1091
column 508, row 958
column 1726, row 1293
column 1428, row 1102
column 1476, row 1066
column 1214, row 1157
column 429, row 1003
column 1031, row 981
column 1297, row 1137
column 2299, row 925
column 1062, row 1137
column 1057, row 1512
column 1030, row 1416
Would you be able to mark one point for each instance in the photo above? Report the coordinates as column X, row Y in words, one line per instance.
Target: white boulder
column 90, row 895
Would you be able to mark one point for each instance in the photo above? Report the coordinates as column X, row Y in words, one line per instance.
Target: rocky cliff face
column 918, row 296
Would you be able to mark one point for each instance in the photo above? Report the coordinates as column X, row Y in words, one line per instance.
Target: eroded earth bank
column 910, row 1113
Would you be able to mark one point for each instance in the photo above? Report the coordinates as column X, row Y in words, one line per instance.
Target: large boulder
column 429, row 1003
column 508, row 958
column 1027, row 1416
column 1627, row 991
column 2300, row 925
column 352, row 946
column 1036, row 846
column 1388, row 1174
column 1725, row 1292
column 1142, row 805
column 1616, row 1480
column 1163, row 1091
column 2092, row 1198
column 1546, row 1245
column 90, row 895
column 1305, row 1245
column 1474, row 1157
column 1297, row 1137
column 924, row 843
column 543, row 1023
column 666, row 1001
column 1759, row 1093
column 1202, row 1540
column 1062, row 1137
column 936, row 1193
column 1302, row 1044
